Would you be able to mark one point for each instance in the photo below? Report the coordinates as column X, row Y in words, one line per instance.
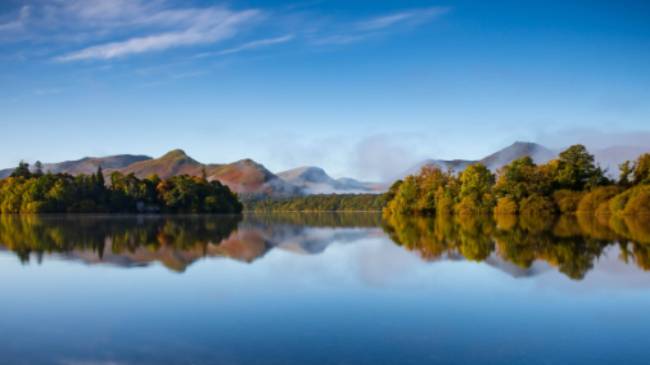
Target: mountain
column 314, row 180
column 453, row 165
column 244, row 177
column 87, row 165
column 538, row 153
column 249, row 177
column 175, row 162
column 494, row 161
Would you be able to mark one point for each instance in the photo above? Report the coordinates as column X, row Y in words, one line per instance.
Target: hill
column 314, row 180
column 538, row 153
column 175, row 162
column 494, row 161
column 245, row 177
column 87, row 165
column 249, row 177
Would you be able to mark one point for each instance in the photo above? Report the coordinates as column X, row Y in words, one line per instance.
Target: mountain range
column 250, row 178
column 494, row 161
column 246, row 176
column 608, row 158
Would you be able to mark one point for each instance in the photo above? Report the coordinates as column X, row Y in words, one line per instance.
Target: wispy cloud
column 250, row 45
column 414, row 16
column 368, row 28
column 77, row 30
column 190, row 27
column 118, row 28
column 17, row 24
column 340, row 39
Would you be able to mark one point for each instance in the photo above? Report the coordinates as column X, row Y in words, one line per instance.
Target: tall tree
column 642, row 169
column 38, row 168
column 100, row 176
column 577, row 170
column 22, row 170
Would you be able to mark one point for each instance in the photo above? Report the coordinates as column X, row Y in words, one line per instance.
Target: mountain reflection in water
column 519, row 246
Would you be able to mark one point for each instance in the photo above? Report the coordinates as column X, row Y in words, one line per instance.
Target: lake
column 323, row 289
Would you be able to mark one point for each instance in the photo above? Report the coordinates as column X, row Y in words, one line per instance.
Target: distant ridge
column 87, row 165
column 494, row 161
column 251, row 179
column 314, row 180
column 537, row 152
column 244, row 176
column 175, row 162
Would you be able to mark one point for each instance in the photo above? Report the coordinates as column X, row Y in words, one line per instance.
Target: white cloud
column 371, row 27
column 193, row 26
column 341, row 39
column 385, row 157
column 411, row 16
column 118, row 28
column 75, row 30
column 17, row 24
column 257, row 44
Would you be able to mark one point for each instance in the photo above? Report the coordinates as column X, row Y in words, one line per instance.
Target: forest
column 27, row 191
column 571, row 183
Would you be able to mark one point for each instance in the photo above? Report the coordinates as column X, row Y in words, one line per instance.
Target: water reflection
column 177, row 242
column 570, row 244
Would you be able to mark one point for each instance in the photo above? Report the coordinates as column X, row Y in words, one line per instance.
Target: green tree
column 476, row 184
column 642, row 169
column 576, row 169
column 38, row 168
column 522, row 178
column 626, row 170
column 22, row 170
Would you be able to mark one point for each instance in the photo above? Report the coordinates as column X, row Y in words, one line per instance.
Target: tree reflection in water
column 172, row 240
column 572, row 244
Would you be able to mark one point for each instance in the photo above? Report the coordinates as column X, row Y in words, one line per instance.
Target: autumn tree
column 576, row 169
column 22, row 170
column 642, row 169
column 476, row 184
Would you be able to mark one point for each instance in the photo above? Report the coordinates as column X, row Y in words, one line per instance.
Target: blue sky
column 361, row 88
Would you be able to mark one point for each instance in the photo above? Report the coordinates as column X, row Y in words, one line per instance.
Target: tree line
column 27, row 191
column 320, row 203
column 568, row 184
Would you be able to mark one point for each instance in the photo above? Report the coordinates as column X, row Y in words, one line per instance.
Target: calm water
column 323, row 289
